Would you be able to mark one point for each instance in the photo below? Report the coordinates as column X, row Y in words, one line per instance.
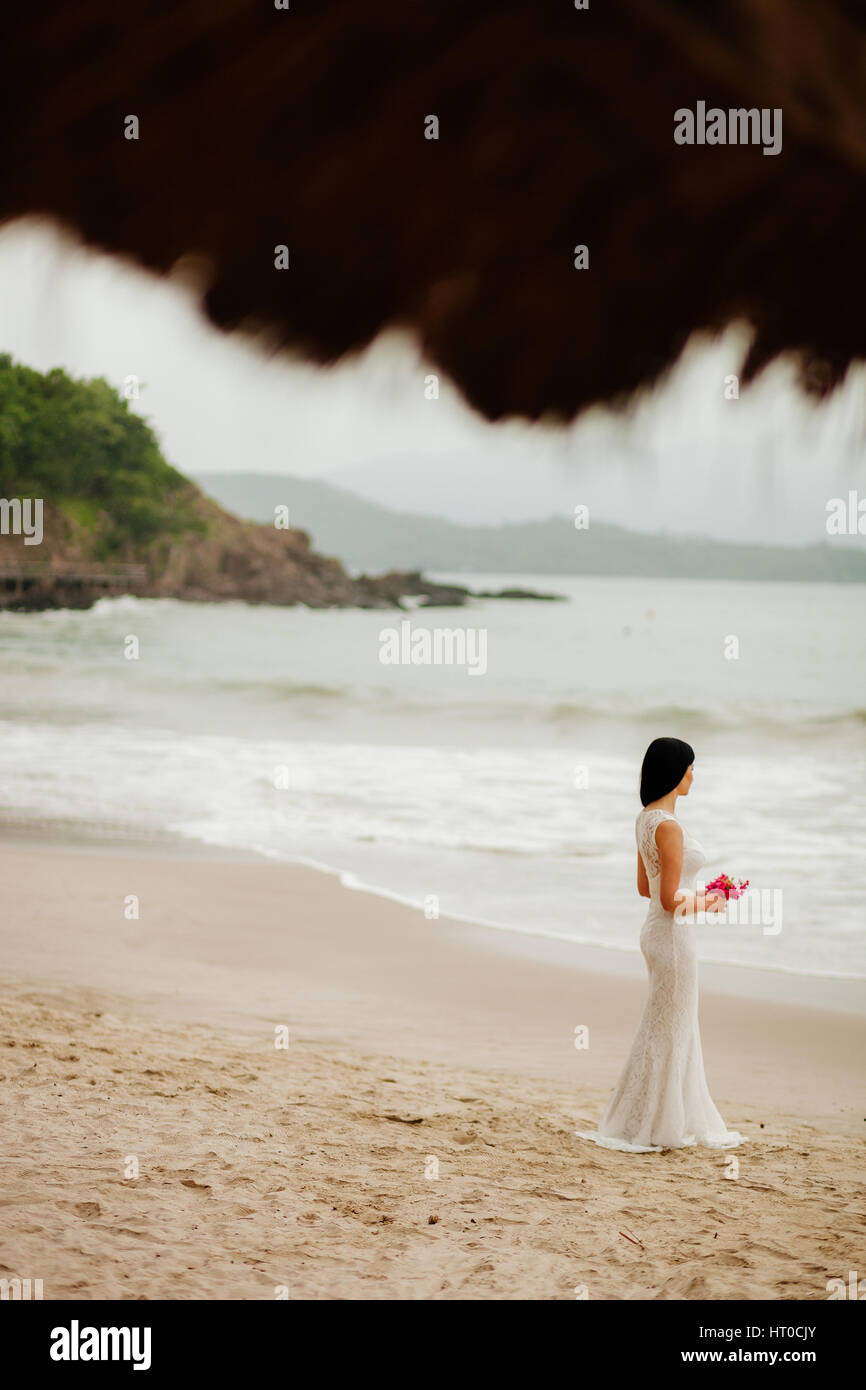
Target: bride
column 661, row 1100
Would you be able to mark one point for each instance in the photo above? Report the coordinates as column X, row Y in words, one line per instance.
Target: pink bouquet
column 726, row 885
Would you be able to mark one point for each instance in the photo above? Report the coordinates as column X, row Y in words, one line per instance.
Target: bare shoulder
column 668, row 832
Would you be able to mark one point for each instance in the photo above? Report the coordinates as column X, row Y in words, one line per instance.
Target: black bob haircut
column 665, row 763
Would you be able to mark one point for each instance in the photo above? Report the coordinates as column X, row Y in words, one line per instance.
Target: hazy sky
column 683, row 459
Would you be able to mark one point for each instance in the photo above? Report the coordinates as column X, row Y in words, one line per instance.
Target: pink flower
column 728, row 886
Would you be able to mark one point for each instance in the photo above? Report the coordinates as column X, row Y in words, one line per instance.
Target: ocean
column 506, row 796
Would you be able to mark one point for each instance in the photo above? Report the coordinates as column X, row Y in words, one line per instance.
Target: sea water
column 507, row 798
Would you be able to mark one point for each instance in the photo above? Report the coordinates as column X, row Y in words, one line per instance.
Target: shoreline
column 235, row 941
column 841, row 993
column 326, row 1093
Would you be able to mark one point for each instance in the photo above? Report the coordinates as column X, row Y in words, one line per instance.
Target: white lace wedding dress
column 661, row 1100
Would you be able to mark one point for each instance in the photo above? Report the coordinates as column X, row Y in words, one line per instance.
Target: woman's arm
column 669, row 838
column 642, row 880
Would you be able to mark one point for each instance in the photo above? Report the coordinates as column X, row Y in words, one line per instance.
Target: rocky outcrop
column 225, row 559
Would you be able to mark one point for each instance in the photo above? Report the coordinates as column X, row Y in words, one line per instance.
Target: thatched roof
column 305, row 127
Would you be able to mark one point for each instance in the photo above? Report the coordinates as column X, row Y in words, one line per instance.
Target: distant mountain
column 91, row 507
column 366, row 536
column 470, row 487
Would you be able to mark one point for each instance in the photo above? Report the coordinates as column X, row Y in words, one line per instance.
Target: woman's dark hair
column 665, row 763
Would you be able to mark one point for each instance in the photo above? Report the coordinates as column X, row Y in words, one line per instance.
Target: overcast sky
column 683, row 459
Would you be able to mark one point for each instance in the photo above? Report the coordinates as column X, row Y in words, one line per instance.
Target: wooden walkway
column 29, row 577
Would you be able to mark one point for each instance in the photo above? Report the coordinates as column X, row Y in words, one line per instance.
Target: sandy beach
column 414, row 1137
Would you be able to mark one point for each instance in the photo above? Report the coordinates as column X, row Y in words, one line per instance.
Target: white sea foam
column 404, row 783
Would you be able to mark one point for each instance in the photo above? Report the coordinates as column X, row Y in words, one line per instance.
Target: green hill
column 117, row 518
column 367, row 536
column 79, row 446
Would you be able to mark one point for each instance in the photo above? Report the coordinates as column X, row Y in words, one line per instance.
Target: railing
column 35, row 570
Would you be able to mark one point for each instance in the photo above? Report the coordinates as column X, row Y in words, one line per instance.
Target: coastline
column 503, row 839
column 415, row 1138
column 829, row 990
column 283, row 935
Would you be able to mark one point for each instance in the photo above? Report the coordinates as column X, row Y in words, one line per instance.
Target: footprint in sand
column 464, row 1136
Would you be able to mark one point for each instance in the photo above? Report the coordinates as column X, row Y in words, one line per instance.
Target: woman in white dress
column 661, row 1100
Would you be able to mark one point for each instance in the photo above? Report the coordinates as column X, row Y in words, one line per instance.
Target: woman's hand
column 688, row 904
